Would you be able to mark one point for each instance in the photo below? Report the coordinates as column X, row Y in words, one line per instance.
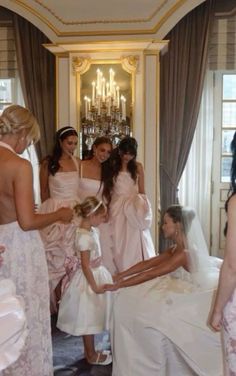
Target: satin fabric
column 13, row 328
column 160, row 328
column 130, row 221
column 59, row 238
column 81, row 310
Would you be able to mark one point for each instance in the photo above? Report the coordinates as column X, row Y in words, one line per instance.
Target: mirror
column 105, row 104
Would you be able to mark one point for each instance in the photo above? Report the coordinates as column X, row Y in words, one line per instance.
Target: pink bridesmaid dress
column 59, row 238
column 130, row 220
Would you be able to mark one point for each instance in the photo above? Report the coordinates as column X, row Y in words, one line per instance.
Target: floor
column 68, row 359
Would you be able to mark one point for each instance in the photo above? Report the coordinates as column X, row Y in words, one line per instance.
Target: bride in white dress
column 160, row 326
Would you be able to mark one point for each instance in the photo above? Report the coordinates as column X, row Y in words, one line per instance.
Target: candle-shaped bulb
column 93, row 93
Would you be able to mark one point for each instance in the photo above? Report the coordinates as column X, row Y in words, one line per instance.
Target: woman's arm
column 2, row 249
column 144, row 265
column 176, row 260
column 141, row 186
column 43, row 178
column 85, row 258
column 227, row 280
column 24, row 201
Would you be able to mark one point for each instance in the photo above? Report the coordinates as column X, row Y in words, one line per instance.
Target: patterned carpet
column 68, row 356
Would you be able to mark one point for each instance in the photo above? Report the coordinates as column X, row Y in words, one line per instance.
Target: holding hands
column 111, row 286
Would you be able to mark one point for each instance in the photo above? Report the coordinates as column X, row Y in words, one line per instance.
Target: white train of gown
column 160, row 328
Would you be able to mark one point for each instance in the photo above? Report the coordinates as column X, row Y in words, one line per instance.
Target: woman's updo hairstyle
column 181, row 215
column 16, row 118
column 91, row 205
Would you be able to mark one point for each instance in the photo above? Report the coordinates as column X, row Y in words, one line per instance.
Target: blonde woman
column 24, row 257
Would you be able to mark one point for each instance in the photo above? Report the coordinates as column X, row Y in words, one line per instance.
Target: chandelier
column 104, row 111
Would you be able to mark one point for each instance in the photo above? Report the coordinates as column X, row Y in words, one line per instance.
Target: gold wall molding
column 80, row 64
column 130, row 63
column 102, row 21
column 77, row 33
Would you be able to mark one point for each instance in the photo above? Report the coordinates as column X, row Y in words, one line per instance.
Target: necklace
column 6, row 146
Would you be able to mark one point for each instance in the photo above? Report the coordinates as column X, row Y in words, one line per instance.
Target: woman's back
column 10, row 167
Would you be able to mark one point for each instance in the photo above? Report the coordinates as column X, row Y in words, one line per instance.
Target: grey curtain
column 37, row 75
column 182, row 75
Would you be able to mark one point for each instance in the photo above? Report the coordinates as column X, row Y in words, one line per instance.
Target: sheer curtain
column 195, row 184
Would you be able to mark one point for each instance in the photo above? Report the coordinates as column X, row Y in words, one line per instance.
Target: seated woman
column 159, row 327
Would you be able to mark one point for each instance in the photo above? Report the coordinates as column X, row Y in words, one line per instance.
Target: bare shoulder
column 139, row 166
column 86, row 162
column 23, row 165
column 44, row 163
column 232, row 202
column 78, row 161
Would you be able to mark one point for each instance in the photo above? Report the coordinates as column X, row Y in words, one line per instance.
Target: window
column 228, row 123
column 11, row 93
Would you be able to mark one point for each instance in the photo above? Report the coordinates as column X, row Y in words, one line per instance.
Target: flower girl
column 84, row 307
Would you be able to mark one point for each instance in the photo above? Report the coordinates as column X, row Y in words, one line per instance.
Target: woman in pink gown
column 59, row 181
column 92, row 174
column 130, row 214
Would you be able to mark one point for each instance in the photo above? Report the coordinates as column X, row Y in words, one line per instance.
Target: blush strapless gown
column 130, row 220
column 59, row 238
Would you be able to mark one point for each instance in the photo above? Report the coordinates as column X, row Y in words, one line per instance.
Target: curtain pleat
column 37, row 74
column 183, row 69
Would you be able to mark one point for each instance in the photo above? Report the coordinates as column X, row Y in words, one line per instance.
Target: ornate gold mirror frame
column 104, row 107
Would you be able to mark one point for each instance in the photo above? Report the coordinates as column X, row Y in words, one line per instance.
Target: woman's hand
column 99, row 289
column 111, row 287
column 65, row 214
column 215, row 321
column 2, row 249
column 116, row 277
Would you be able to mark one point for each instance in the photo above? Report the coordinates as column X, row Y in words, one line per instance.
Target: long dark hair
column 105, row 166
column 232, row 189
column 53, row 160
column 127, row 145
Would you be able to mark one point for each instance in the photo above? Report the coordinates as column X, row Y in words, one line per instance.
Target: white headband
column 94, row 209
column 67, row 130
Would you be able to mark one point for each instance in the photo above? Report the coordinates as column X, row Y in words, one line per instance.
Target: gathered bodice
column 64, row 185
column 124, row 185
column 89, row 187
